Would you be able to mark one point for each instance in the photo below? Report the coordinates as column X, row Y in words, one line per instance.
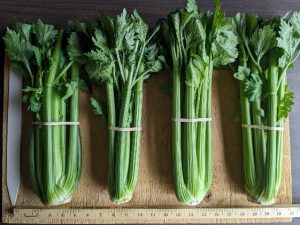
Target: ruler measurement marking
column 165, row 215
column 30, row 215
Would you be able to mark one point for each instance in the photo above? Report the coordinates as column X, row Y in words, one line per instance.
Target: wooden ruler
column 126, row 215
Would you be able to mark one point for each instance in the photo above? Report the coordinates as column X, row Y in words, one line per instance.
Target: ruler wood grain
column 155, row 188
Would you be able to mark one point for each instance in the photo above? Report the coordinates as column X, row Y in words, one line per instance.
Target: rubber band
column 191, row 120
column 62, row 123
column 126, row 129
column 262, row 127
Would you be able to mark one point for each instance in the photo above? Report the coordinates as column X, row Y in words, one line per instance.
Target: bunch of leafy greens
column 52, row 95
column 267, row 49
column 195, row 42
column 121, row 55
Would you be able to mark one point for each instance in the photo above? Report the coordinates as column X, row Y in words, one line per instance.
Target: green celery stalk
column 121, row 55
column 267, row 50
column 54, row 158
column 195, row 42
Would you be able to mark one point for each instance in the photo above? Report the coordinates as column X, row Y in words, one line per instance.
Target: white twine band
column 191, row 120
column 62, row 123
column 263, row 127
column 126, row 129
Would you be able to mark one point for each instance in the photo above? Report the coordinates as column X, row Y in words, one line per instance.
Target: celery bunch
column 195, row 41
column 52, row 95
column 121, row 56
column 267, row 49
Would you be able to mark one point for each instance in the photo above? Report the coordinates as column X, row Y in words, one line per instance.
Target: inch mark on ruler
column 164, row 215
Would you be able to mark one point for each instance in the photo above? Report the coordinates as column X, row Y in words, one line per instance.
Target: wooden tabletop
column 59, row 12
